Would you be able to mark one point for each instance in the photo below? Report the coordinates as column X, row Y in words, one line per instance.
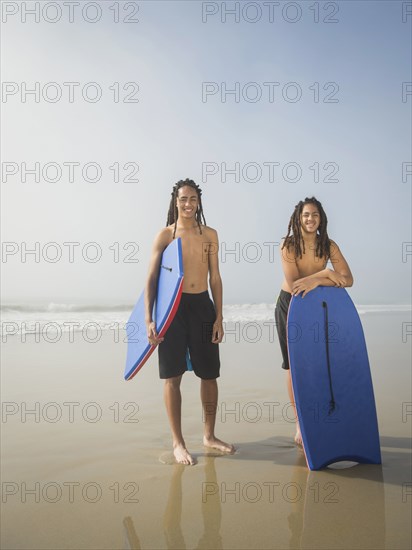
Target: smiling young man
column 305, row 254
column 197, row 325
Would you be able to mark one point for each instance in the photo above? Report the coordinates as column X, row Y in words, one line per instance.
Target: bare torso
column 309, row 264
column 196, row 248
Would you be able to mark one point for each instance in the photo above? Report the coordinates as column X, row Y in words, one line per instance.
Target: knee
column 173, row 383
column 209, row 383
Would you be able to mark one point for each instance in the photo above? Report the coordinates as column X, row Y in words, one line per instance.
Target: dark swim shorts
column 191, row 328
column 281, row 315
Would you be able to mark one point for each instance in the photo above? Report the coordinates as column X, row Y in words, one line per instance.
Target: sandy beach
column 291, row 123
column 87, row 463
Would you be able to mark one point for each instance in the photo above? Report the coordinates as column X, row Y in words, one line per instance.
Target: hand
column 152, row 336
column 217, row 331
column 338, row 279
column 305, row 285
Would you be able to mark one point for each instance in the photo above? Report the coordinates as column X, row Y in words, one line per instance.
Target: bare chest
column 310, row 263
column 195, row 251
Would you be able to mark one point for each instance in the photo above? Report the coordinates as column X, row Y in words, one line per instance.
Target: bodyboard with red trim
column 169, row 292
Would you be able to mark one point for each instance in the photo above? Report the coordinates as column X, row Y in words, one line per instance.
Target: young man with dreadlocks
column 197, row 325
column 305, row 254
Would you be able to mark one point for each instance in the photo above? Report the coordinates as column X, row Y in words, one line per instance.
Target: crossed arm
column 339, row 276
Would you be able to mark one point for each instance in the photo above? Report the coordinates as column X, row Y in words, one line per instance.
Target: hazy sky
column 317, row 108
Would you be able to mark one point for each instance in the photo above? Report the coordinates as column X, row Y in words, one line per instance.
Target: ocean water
column 57, row 318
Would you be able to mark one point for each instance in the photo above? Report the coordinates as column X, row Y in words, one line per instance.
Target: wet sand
column 90, row 466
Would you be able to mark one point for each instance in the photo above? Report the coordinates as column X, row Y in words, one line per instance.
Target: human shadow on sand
column 394, row 470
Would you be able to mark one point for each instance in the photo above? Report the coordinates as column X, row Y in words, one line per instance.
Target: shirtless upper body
column 200, row 261
column 306, row 273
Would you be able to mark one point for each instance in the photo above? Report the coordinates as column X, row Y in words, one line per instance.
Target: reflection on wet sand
column 131, row 540
column 349, row 505
column 342, row 506
column 211, row 511
column 172, row 518
column 338, row 508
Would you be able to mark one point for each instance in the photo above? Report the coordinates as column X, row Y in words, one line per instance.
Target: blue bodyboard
column 169, row 291
column 331, row 379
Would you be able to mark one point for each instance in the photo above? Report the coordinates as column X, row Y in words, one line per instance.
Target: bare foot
column 182, row 455
column 298, row 437
column 216, row 443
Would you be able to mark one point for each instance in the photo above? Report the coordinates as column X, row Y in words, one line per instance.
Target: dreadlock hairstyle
column 173, row 213
column 296, row 241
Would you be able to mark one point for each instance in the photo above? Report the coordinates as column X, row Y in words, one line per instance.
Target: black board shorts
column 281, row 316
column 191, row 328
